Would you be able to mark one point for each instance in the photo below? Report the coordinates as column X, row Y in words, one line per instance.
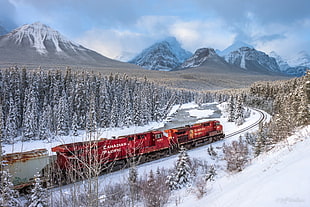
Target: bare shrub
column 155, row 192
column 236, row 154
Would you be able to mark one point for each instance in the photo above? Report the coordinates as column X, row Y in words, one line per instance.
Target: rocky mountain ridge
column 164, row 55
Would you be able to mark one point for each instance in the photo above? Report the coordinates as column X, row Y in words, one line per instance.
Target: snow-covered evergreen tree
column 231, row 110
column 239, row 112
column 181, row 176
column 39, row 195
column 30, row 121
column 45, row 123
column 74, row 126
column 8, row 196
column 11, row 128
column 62, row 116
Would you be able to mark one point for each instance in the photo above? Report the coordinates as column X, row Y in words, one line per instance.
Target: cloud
column 112, row 27
column 197, row 34
column 7, row 14
column 116, row 44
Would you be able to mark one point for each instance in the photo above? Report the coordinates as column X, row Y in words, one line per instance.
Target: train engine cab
column 206, row 132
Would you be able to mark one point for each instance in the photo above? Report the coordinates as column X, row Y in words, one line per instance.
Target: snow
column 301, row 59
column 242, row 64
column 243, row 54
column 280, row 177
column 200, row 56
column 200, row 113
column 37, row 33
column 164, row 55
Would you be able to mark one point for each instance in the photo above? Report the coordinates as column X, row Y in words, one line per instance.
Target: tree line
column 40, row 104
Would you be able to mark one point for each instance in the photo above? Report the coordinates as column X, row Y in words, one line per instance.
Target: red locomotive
column 145, row 146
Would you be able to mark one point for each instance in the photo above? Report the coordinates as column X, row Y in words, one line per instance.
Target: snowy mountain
column 300, row 65
column 39, row 44
column 200, row 56
column 251, row 59
column 281, row 62
column 164, row 55
column 235, row 46
column 301, row 59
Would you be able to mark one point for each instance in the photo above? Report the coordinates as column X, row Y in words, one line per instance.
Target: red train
column 146, row 146
column 73, row 160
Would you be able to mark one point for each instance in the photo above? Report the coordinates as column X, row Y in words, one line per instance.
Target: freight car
column 75, row 161
column 24, row 165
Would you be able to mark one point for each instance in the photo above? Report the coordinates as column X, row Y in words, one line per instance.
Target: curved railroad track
column 262, row 118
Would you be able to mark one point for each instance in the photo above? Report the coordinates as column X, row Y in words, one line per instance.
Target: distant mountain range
column 163, row 56
column 39, row 44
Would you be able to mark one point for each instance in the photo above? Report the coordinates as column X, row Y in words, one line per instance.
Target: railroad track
column 262, row 118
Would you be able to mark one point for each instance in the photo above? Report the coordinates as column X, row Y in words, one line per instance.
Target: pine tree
column 39, row 195
column 231, row 110
column 8, row 196
column 45, row 123
column 239, row 112
column 62, row 117
column 30, row 122
column 181, row 176
column 91, row 117
column 11, row 123
column 74, row 125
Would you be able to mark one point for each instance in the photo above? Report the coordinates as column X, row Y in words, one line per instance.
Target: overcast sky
column 116, row 27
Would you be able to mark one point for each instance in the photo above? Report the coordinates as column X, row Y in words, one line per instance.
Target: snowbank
column 278, row 178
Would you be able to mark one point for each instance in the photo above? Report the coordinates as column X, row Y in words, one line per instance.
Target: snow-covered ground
column 278, row 178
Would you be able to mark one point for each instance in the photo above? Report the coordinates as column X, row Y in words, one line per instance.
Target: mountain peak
column 37, row 35
column 249, row 58
column 301, row 59
column 235, row 46
column 200, row 56
column 163, row 55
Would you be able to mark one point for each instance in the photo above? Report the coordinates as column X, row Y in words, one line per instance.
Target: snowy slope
column 200, row 56
column 42, row 38
column 281, row 62
column 301, row 59
column 249, row 58
column 299, row 67
column 278, row 178
column 164, row 55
